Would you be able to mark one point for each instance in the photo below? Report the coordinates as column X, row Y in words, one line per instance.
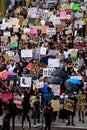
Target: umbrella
column 70, row 86
column 55, row 80
column 73, row 80
column 59, row 73
column 4, row 74
column 45, row 58
column 11, row 73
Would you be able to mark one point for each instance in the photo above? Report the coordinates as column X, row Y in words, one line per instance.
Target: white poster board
column 18, row 101
column 47, row 72
column 25, row 81
column 53, row 62
column 51, row 31
column 7, row 34
column 55, row 89
column 26, row 53
column 43, row 50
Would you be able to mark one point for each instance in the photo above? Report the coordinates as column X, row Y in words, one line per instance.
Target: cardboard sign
column 47, row 72
column 6, row 56
column 25, row 81
column 47, row 96
column 55, row 105
column 55, row 89
column 69, row 105
column 18, row 101
column 53, row 62
column 15, row 21
column 44, row 29
column 5, row 96
column 38, row 85
column 81, row 99
column 43, row 50
column 10, row 53
column 26, row 53
column 24, row 37
column 59, row 28
column 32, row 100
column 51, row 31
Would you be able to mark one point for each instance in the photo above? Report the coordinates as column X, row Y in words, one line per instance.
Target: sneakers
column 67, row 124
column 73, row 124
column 79, row 119
column 82, row 121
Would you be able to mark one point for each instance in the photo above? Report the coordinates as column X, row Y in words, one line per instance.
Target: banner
column 18, row 101
column 69, row 105
column 51, row 31
column 53, row 62
column 55, row 105
column 43, row 50
column 25, row 81
column 47, row 96
column 5, row 96
column 55, row 89
column 47, row 72
column 81, row 99
column 26, row 53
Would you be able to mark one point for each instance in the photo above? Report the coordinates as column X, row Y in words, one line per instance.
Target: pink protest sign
column 5, row 96
column 33, row 31
column 63, row 14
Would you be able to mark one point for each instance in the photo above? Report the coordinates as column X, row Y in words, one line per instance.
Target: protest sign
column 4, row 38
column 43, row 50
column 6, row 56
column 69, row 105
column 26, row 53
column 14, row 39
column 32, row 12
column 78, row 40
column 47, row 96
column 44, row 29
column 55, row 105
column 32, row 100
column 3, row 26
column 10, row 53
column 24, row 37
column 33, row 31
column 7, row 34
column 47, row 72
column 45, row 6
column 5, row 96
column 53, row 62
column 26, row 30
column 14, row 44
column 63, row 14
column 59, row 28
column 38, row 85
column 81, row 99
column 25, row 81
column 55, row 89
column 76, row 6
column 18, row 101
column 15, row 21
column 15, row 29
column 51, row 31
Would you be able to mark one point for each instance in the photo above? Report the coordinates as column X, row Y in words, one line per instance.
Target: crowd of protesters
column 71, row 64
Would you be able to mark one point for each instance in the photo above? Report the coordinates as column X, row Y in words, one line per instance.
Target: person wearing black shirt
column 25, row 112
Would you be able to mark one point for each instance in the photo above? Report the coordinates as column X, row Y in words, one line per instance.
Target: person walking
column 48, row 114
column 13, row 111
column 25, row 112
column 36, row 108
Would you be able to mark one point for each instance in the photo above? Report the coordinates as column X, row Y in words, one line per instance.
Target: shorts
column 81, row 108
